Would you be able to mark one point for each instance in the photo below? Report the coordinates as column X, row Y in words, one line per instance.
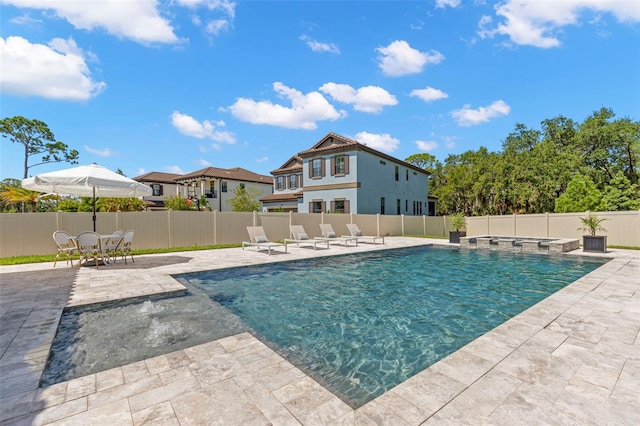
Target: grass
column 20, row 260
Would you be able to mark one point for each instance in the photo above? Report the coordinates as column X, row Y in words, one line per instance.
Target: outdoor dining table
column 103, row 239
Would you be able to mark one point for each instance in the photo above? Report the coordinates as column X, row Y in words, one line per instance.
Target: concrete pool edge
column 440, row 393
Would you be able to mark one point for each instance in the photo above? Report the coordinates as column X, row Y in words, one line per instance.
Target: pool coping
column 543, row 361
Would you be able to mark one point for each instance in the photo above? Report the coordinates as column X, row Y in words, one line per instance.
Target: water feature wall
column 520, row 244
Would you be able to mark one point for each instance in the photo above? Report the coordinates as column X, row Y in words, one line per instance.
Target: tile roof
column 236, row 173
column 291, row 165
column 158, row 177
column 288, row 196
column 334, row 142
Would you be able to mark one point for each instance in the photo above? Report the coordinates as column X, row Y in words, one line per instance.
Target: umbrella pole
column 94, row 209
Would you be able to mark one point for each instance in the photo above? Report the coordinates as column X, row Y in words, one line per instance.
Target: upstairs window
column 339, row 165
column 407, row 173
column 397, row 173
column 280, row 183
column 317, row 168
column 223, row 186
column 293, row 181
column 157, row 189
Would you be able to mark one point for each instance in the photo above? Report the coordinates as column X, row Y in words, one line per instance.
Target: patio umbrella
column 87, row 181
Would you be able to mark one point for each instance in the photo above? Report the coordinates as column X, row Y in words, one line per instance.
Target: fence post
column 402, row 224
column 515, row 226
column 169, row 240
column 424, row 226
column 488, row 225
column 255, row 218
column 322, row 217
column 548, row 225
column 351, row 217
column 290, row 217
column 215, row 227
column 58, row 220
column 378, row 224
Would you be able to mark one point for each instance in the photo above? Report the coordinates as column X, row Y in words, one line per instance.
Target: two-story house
column 217, row 185
column 343, row 175
column 162, row 184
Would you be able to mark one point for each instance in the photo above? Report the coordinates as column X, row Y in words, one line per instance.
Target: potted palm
column 457, row 223
column 593, row 242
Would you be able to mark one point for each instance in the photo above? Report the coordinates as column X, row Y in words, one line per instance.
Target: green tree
column 127, row 204
column 423, row 160
column 581, row 195
column 245, row 199
column 68, row 205
column 176, row 202
column 37, row 140
column 20, row 197
column 620, row 194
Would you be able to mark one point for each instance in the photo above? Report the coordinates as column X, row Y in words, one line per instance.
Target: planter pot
column 596, row 244
column 454, row 236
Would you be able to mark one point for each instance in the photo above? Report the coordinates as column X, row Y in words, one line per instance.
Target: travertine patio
column 574, row 358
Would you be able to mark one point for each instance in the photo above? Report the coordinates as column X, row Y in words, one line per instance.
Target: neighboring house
column 218, row 185
column 162, row 184
column 287, row 187
column 345, row 176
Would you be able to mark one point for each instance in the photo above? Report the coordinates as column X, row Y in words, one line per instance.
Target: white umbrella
column 87, row 181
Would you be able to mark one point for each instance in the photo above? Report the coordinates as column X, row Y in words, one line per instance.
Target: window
column 242, row 185
column 157, row 189
column 316, row 206
column 397, row 173
column 293, row 181
column 381, row 205
column 398, row 206
column 280, row 182
column 338, row 168
column 316, row 167
column 407, row 173
column 384, row 163
column 406, row 206
column 338, row 206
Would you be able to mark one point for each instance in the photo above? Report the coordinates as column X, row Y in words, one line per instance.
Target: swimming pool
column 359, row 324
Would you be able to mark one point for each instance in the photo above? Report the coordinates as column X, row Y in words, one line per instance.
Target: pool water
column 358, row 324
column 362, row 324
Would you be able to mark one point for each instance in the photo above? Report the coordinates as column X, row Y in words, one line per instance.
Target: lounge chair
column 300, row 237
column 259, row 239
column 355, row 231
column 66, row 245
column 328, row 234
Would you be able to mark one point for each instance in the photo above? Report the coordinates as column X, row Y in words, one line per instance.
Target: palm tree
column 20, row 196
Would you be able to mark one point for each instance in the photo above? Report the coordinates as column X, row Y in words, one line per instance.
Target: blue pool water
column 361, row 324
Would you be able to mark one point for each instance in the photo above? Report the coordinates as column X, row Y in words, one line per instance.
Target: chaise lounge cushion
column 261, row 239
column 303, row 237
column 331, row 234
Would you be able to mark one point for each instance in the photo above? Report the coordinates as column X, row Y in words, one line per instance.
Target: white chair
column 356, row 232
column 328, row 234
column 111, row 245
column 66, row 245
column 125, row 245
column 89, row 245
column 300, row 237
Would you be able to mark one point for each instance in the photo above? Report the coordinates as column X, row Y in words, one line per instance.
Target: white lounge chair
column 355, row 231
column 66, row 245
column 259, row 239
column 328, row 234
column 300, row 237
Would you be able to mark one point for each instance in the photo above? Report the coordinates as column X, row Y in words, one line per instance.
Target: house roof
column 236, row 173
column 333, row 143
column 157, row 177
column 280, row 197
column 293, row 164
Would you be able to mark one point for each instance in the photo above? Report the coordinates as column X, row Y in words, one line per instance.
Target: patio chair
column 111, row 245
column 355, row 231
column 300, row 237
column 89, row 245
column 259, row 239
column 328, row 234
column 66, row 245
column 125, row 246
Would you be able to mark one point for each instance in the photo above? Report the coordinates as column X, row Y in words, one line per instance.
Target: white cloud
column 202, row 162
column 537, row 23
column 105, row 152
column 25, row 20
column 141, row 171
column 382, row 142
column 426, row 145
column 139, row 21
column 429, row 94
column 305, row 110
column 189, row 126
column 57, row 71
column 173, row 169
column 365, row 99
column 399, row 59
column 317, row 46
column 444, row 3
column 467, row 117
column 213, row 26
column 262, row 159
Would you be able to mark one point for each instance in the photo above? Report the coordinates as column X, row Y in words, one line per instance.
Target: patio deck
column 573, row 358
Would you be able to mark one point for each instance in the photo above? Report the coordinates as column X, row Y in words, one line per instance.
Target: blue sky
column 175, row 86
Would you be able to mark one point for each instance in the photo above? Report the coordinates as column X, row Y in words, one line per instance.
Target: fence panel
column 435, row 226
column 310, row 221
column 390, row 225
column 27, row 233
column 231, row 227
column 151, row 228
column 276, row 225
column 532, row 225
column 414, row 225
column 192, row 228
column 368, row 223
column 338, row 222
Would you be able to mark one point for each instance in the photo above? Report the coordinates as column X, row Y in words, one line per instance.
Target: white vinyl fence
column 31, row 233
